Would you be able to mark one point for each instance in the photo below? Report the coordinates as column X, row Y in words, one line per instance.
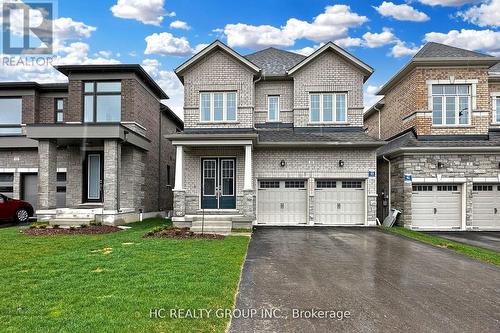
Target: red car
column 14, row 210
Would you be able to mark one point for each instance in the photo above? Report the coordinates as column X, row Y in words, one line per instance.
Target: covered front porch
column 214, row 181
column 104, row 174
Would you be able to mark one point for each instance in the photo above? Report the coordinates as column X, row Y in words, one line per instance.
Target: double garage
column 442, row 206
column 330, row 202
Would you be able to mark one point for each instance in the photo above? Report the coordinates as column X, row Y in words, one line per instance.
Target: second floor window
column 102, row 101
column 451, row 104
column 59, row 106
column 328, row 107
column 273, row 108
column 11, row 114
column 218, row 106
column 496, row 109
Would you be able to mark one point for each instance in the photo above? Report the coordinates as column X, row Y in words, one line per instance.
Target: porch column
column 112, row 162
column 179, row 168
column 47, row 174
column 248, row 169
column 74, row 177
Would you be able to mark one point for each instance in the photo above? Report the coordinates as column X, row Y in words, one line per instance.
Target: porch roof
column 72, row 133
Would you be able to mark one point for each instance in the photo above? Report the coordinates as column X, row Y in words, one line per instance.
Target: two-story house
column 441, row 116
column 92, row 148
column 274, row 138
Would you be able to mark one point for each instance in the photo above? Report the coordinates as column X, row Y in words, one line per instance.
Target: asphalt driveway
column 386, row 282
column 486, row 239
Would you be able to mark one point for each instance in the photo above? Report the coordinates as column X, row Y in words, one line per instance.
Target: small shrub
column 83, row 226
column 55, row 226
column 72, row 228
column 159, row 228
column 94, row 223
column 39, row 225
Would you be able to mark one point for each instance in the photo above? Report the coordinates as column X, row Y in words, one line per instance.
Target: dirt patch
column 180, row 233
column 90, row 230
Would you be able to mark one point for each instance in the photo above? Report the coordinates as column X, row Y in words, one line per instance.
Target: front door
column 218, row 179
column 93, row 177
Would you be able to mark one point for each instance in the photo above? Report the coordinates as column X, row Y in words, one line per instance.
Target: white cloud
column 165, row 43
column 145, row 11
column 66, row 28
column 401, row 12
column 332, row 24
column 308, row 50
column 402, row 50
column 448, row 3
column 373, row 40
column 105, row 54
column 487, row 14
column 349, row 42
column 169, row 82
column 483, row 40
column 177, row 24
column 199, row 47
column 370, row 96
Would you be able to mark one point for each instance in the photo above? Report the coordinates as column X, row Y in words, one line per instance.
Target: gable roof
column 217, row 44
column 273, row 61
column 435, row 54
column 340, row 51
column 436, row 50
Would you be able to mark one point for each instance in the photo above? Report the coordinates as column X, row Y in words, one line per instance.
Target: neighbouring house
column 274, row 138
column 441, row 117
column 92, row 148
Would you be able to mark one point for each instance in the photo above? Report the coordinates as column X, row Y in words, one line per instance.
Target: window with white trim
column 496, row 109
column 327, row 107
column 218, row 106
column 273, row 108
column 451, row 104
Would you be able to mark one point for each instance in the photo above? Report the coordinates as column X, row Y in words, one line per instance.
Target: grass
column 469, row 250
column 109, row 283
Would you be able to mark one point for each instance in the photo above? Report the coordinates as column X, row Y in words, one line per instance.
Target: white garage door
column 282, row 202
column 486, row 206
column 339, row 202
column 436, row 206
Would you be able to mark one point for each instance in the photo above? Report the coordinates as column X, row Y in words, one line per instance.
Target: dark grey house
column 92, row 148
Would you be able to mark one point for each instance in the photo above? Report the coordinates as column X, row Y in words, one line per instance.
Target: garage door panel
column 436, row 206
column 339, row 202
column 282, row 202
column 486, row 206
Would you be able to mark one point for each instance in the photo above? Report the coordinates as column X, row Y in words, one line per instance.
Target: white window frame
column 269, row 110
column 224, row 107
column 495, row 102
column 334, row 108
column 457, row 105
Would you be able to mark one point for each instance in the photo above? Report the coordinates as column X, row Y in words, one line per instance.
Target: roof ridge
column 429, row 45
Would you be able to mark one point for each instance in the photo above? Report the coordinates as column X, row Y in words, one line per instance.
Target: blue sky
column 161, row 34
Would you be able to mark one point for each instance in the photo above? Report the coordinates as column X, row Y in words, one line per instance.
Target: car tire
column 22, row 215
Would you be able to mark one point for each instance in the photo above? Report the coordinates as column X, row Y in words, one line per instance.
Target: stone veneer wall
column 466, row 166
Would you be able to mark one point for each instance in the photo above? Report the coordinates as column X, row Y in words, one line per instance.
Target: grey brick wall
column 218, row 71
column 328, row 72
column 284, row 89
column 47, row 172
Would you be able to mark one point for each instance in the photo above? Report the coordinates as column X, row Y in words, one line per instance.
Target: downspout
column 389, row 189
column 378, row 110
column 159, row 160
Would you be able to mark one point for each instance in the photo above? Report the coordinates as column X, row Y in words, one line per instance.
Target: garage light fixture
column 341, row 163
column 440, row 165
column 282, row 163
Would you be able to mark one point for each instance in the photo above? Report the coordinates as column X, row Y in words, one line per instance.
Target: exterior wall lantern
column 282, row 163
column 440, row 165
column 341, row 163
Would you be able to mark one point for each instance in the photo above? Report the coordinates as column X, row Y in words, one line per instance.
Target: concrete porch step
column 212, row 230
column 212, row 223
column 211, row 218
column 70, row 222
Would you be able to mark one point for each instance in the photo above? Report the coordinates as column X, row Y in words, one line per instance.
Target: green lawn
column 469, row 250
column 109, row 283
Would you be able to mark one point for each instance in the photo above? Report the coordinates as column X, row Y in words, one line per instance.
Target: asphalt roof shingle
column 273, row 61
column 495, row 68
column 437, row 50
column 332, row 135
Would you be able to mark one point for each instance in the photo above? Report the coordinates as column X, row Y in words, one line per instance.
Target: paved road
column 388, row 283
column 486, row 239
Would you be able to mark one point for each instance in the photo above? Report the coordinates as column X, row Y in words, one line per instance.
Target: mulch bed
column 181, row 233
column 90, row 230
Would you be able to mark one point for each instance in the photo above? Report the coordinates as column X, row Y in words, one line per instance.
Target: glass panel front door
column 93, row 177
column 218, row 183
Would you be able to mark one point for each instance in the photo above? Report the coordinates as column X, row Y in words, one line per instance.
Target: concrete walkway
column 386, row 282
